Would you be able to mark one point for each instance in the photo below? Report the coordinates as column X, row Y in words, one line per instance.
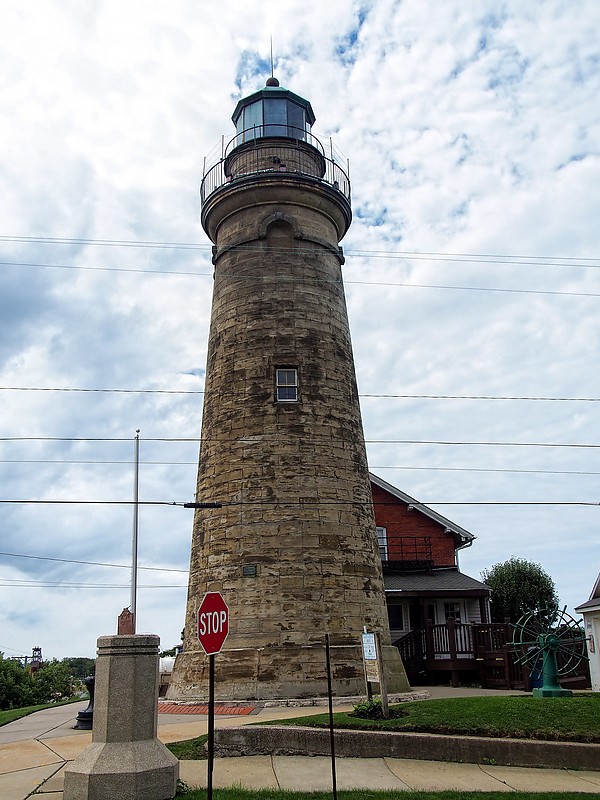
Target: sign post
column 373, row 664
column 331, row 736
column 213, row 627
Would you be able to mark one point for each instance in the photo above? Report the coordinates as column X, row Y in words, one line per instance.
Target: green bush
column 373, row 709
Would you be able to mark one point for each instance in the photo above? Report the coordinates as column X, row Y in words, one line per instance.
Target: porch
column 471, row 652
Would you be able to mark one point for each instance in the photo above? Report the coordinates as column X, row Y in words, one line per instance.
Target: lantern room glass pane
column 275, row 116
column 296, row 121
column 251, row 121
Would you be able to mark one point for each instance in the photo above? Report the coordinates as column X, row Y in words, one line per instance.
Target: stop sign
column 213, row 622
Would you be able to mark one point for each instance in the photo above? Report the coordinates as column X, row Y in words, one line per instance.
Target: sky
column 472, row 277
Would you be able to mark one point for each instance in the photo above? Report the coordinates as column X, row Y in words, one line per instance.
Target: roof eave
column 466, row 538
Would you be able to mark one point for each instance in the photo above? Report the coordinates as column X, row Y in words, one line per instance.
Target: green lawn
column 567, row 719
column 17, row 713
column 190, row 749
column 368, row 794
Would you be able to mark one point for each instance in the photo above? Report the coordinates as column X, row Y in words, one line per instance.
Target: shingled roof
column 438, row 580
column 593, row 604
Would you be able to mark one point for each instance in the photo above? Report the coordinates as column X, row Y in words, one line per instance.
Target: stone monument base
column 125, row 761
column 277, row 673
column 123, row 770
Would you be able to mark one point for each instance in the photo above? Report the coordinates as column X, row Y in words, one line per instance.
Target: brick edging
column 289, row 740
column 189, row 708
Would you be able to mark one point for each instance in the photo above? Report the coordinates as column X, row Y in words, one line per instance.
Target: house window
column 382, row 542
column 452, row 611
column 396, row 616
column 286, row 385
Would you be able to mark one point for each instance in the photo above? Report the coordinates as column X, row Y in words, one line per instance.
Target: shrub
column 373, row 709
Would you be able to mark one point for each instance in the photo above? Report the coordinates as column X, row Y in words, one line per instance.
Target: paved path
column 35, row 749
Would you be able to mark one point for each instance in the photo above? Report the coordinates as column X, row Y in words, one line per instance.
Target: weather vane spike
column 271, row 56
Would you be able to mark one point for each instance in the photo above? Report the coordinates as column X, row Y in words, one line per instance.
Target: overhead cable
column 366, row 395
column 90, row 563
column 145, row 463
column 245, row 442
column 469, row 257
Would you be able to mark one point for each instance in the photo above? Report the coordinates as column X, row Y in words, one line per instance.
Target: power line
column 373, row 467
column 83, row 268
column 245, row 443
column 90, row 563
column 370, row 395
column 481, row 469
column 91, row 391
column 51, row 502
column 403, row 254
column 280, row 278
column 16, row 584
column 12, row 650
column 306, row 503
column 478, row 397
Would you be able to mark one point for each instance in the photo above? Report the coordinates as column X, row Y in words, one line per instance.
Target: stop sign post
column 213, row 627
column 213, row 622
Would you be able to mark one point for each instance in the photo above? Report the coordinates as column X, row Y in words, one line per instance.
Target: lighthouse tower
column 293, row 550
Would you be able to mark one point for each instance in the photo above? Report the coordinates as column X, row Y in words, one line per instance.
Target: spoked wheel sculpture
column 551, row 641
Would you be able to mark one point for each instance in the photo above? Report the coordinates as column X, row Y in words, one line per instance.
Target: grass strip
column 190, row 749
column 566, row 719
column 13, row 714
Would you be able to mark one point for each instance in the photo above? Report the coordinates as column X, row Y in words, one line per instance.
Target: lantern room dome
column 273, row 112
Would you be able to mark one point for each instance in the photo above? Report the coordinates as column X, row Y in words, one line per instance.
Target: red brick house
column 418, row 549
column 439, row 617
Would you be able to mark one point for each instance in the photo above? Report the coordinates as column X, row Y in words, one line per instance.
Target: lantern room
column 272, row 112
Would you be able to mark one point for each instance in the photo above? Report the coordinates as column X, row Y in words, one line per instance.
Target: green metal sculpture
column 550, row 641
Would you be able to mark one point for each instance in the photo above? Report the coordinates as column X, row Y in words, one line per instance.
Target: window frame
column 382, row 542
column 283, row 385
column 396, row 611
column 453, row 610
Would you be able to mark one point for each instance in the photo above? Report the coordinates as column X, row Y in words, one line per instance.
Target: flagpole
column 134, row 548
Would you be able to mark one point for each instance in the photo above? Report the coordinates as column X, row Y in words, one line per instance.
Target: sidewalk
column 35, row 749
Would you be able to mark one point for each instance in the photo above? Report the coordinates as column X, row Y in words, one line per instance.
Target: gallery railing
column 279, row 150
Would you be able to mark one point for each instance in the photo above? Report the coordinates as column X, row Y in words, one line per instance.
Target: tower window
column 286, row 385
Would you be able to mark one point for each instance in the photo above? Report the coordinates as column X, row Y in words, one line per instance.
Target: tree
column 20, row 688
column 53, row 681
column 16, row 688
column 80, row 667
column 517, row 586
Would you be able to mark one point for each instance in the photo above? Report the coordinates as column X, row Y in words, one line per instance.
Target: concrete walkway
column 35, row 749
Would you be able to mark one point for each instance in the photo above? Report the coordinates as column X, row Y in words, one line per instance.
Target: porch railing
column 483, row 649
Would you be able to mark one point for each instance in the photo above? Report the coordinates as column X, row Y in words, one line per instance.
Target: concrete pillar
column 125, row 760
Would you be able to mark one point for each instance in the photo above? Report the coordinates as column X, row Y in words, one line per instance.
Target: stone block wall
column 292, row 476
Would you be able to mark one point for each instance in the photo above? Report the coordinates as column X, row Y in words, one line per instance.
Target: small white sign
column 369, row 647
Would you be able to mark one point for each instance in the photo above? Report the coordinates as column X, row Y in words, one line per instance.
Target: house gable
column 415, row 534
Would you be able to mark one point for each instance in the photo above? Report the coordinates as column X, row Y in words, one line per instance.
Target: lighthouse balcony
column 271, row 151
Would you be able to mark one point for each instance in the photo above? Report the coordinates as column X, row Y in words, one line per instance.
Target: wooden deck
column 469, row 652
